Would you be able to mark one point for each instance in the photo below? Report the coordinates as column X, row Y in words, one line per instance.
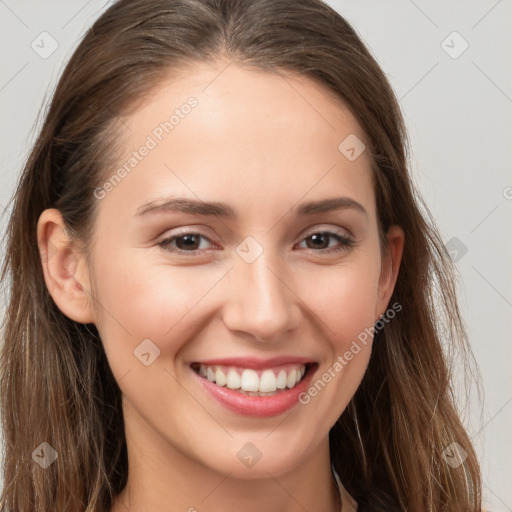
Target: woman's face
column 270, row 282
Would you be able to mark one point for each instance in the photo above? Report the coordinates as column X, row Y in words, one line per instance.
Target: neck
column 165, row 479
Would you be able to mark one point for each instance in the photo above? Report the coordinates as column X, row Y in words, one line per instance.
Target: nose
column 261, row 301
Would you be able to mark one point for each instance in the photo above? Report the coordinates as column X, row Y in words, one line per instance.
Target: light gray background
column 458, row 112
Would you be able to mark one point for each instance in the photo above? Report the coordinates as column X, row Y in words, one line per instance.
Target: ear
column 389, row 268
column 65, row 270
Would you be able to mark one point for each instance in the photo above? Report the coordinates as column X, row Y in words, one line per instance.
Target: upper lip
column 255, row 363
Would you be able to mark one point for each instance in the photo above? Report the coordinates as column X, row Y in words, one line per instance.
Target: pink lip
column 255, row 363
column 256, row 406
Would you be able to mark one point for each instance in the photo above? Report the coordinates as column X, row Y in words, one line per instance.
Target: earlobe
column 65, row 270
column 389, row 268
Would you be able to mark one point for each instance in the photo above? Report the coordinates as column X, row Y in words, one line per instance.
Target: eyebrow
column 221, row 210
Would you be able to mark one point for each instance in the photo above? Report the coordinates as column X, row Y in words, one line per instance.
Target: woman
column 224, row 294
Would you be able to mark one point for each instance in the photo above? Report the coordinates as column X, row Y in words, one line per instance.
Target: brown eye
column 320, row 242
column 186, row 242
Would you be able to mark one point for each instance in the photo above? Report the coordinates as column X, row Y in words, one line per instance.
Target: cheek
column 344, row 298
column 137, row 301
column 344, row 301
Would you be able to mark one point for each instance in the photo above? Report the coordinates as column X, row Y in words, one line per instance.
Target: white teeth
column 220, row 377
column 233, row 380
column 292, row 379
column 268, row 381
column 249, row 382
column 281, row 380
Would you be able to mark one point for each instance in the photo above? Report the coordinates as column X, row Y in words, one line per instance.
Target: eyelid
column 329, row 228
column 345, row 240
column 190, row 229
column 316, row 228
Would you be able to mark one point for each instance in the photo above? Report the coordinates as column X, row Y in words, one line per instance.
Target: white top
column 348, row 503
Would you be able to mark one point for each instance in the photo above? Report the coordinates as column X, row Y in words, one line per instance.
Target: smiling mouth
column 248, row 381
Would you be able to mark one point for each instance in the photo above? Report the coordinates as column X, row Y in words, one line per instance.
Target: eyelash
column 345, row 243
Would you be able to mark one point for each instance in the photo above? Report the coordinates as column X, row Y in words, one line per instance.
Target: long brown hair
column 56, row 384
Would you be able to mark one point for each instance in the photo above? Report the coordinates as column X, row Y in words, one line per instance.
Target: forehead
column 220, row 131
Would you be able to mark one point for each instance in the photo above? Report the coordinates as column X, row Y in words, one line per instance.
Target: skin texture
column 261, row 143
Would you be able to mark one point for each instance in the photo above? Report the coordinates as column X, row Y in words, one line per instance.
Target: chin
column 256, row 456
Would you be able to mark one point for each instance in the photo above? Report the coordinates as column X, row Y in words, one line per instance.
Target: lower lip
column 257, row 406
